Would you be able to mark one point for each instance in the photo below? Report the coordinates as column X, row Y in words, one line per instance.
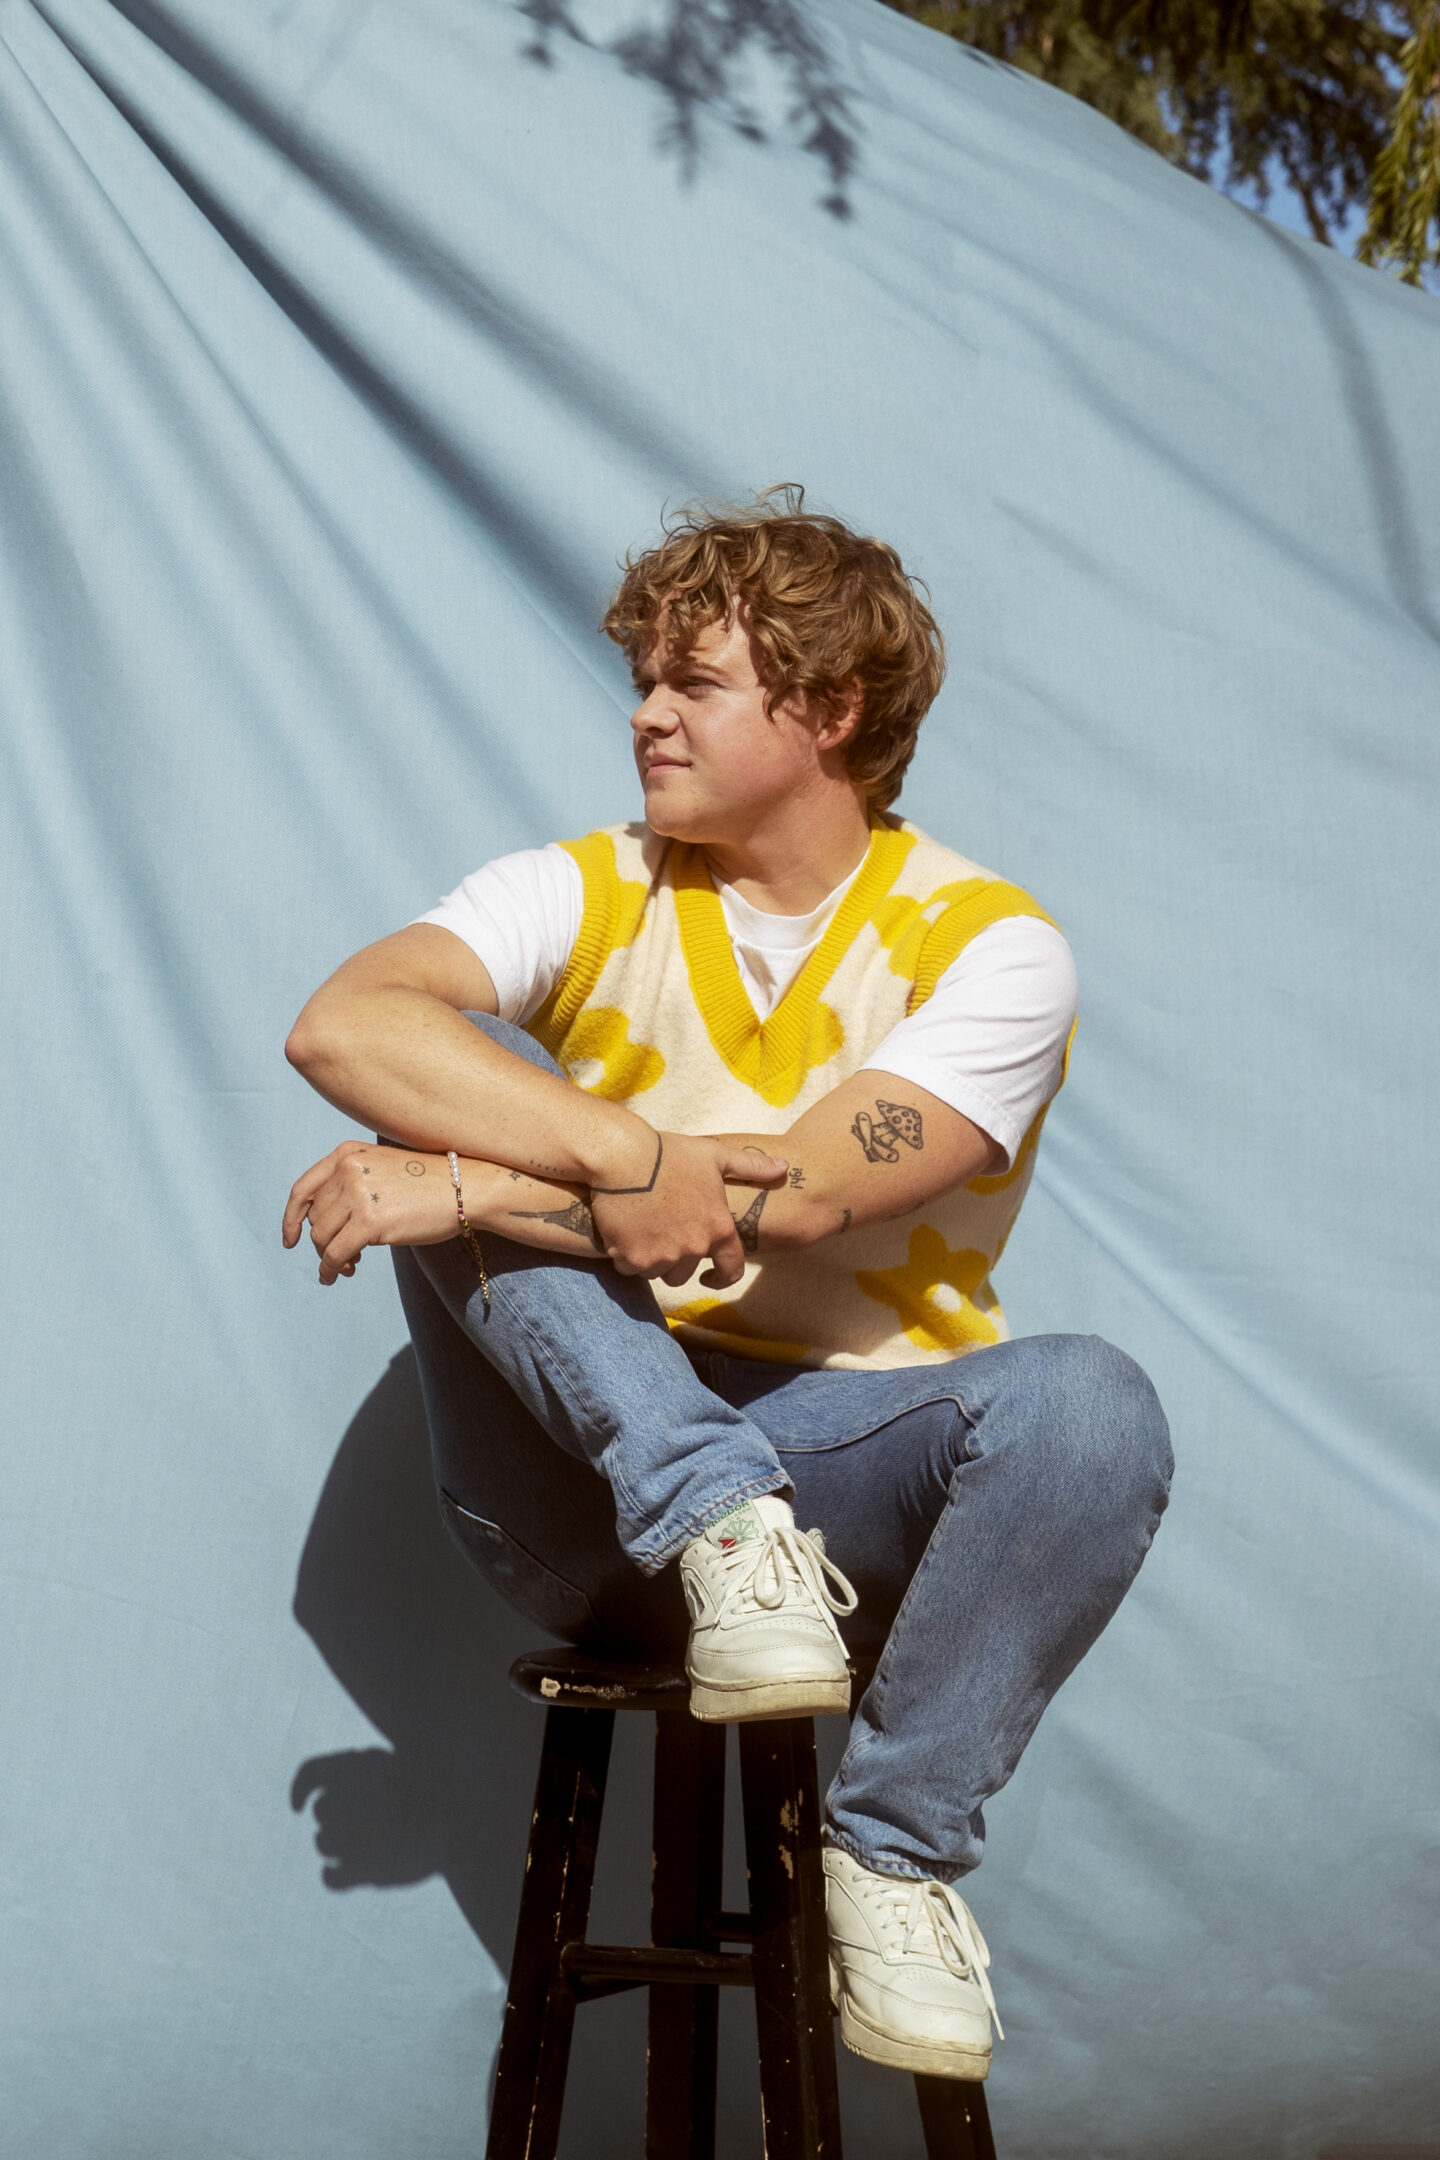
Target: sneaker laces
column 963, row 1949
column 900, row 1908
column 803, row 1551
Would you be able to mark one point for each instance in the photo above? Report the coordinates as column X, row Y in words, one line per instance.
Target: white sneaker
column 908, row 1971
column 763, row 1639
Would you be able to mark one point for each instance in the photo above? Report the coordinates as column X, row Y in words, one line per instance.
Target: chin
column 673, row 820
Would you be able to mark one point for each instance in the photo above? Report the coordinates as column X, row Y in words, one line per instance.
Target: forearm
column 858, row 1157
column 547, row 1213
column 407, row 1064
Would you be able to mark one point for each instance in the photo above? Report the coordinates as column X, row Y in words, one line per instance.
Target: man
column 813, row 1051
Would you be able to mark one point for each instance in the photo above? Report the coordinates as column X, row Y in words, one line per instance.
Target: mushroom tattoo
column 897, row 1122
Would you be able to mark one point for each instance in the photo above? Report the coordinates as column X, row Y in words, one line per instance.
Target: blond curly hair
column 824, row 608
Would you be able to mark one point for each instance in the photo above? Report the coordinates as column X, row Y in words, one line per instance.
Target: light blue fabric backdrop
column 344, row 348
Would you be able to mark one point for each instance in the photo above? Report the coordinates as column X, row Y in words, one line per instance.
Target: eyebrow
column 712, row 669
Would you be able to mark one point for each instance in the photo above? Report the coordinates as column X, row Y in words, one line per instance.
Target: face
column 712, row 759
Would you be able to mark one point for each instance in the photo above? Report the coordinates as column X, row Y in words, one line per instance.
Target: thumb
column 747, row 1166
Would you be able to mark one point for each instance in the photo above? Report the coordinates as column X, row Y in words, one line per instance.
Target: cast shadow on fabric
column 697, row 54
column 422, row 1645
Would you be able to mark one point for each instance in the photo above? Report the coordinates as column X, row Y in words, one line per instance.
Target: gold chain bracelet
column 465, row 1230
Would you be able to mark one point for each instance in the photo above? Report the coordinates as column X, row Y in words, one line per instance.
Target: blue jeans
column 990, row 1512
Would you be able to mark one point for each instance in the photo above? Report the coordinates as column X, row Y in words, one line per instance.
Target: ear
column 840, row 716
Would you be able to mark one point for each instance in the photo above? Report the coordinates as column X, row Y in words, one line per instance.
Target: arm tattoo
column 897, row 1122
column 576, row 1217
column 748, row 1224
column 619, row 1192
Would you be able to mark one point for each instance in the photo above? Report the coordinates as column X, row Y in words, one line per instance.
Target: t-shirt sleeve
column 990, row 1040
column 520, row 916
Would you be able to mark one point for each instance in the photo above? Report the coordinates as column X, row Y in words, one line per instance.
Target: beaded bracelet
column 465, row 1230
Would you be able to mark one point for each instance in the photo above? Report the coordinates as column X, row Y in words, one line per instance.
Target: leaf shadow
column 696, row 54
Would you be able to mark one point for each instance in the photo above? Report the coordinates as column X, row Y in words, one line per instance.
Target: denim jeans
column 991, row 1512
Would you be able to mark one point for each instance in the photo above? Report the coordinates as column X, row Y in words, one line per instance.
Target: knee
column 1127, row 1413
column 1107, row 1407
column 513, row 1038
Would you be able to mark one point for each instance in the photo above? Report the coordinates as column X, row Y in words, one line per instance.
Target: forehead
column 722, row 645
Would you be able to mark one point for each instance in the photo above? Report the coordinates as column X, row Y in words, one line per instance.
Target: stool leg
column 798, row 2094
column 685, row 1888
column 554, row 1909
column 954, row 2118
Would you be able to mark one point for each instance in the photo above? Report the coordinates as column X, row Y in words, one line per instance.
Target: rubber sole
column 927, row 2058
column 747, row 1702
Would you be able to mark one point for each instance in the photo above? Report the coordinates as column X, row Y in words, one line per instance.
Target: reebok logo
column 740, row 1527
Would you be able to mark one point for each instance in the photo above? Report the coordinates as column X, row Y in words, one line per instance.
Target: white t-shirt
column 989, row 1040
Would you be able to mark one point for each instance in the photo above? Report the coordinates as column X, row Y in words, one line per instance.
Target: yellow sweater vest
column 651, row 1012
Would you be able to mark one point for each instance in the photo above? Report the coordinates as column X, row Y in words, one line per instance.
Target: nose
column 655, row 715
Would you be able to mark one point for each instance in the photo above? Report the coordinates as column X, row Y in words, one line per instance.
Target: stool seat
column 579, row 1680
column 576, row 1680
column 782, row 1958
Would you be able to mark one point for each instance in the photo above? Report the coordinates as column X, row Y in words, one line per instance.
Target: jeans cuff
column 900, row 1870
column 656, row 1547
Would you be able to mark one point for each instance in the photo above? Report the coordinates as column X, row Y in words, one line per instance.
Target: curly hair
column 823, row 606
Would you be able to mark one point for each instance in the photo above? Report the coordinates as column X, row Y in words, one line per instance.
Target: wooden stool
column 785, row 1961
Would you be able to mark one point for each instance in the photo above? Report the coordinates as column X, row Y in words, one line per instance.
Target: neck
column 791, row 859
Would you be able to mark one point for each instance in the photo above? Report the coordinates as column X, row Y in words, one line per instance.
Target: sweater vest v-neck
column 651, row 1012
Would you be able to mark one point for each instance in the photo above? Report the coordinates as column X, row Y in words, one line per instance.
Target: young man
column 777, row 1036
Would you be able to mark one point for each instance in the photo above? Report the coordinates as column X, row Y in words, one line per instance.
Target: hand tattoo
column 576, row 1217
column 415, row 1169
column 797, row 1178
column 748, row 1225
column 897, row 1122
column 844, row 1223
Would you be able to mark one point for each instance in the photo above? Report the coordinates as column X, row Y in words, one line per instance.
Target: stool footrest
column 610, row 1968
column 730, row 1927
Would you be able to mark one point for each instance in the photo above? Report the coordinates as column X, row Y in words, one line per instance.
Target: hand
column 683, row 1217
column 366, row 1195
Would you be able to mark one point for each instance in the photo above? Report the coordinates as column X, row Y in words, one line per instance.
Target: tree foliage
column 1404, row 222
column 1326, row 93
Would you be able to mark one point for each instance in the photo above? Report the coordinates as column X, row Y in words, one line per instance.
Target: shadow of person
column 422, row 1644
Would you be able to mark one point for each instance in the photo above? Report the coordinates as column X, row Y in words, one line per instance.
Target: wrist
column 623, row 1155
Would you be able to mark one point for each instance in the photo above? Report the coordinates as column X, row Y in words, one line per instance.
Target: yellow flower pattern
column 725, row 1320
column 652, row 1011
column 602, row 1033
column 933, row 1294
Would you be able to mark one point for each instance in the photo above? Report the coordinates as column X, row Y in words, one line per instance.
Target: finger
column 740, row 1167
column 345, row 1248
column 303, row 1191
column 328, row 1215
column 727, row 1263
column 679, row 1275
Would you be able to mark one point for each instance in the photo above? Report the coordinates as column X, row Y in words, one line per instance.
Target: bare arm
column 386, row 1041
column 872, row 1149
